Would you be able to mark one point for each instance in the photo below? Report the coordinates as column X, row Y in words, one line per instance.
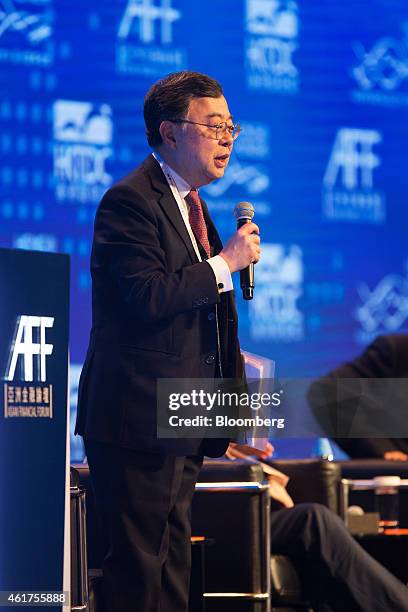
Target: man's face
column 201, row 158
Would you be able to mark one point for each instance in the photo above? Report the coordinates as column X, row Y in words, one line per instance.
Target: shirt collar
column 181, row 185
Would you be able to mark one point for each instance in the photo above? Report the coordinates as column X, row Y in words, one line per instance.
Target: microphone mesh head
column 244, row 210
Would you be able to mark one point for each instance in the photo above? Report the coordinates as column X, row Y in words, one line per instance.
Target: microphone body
column 244, row 213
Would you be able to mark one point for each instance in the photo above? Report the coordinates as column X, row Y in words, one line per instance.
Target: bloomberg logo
column 382, row 309
column 381, row 72
column 26, row 32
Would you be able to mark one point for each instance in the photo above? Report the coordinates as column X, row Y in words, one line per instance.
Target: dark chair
column 236, row 517
column 79, row 565
column 231, row 506
column 310, row 480
column 392, row 552
column 234, row 562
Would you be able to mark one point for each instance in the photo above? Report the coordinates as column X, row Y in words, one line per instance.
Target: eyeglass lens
column 233, row 130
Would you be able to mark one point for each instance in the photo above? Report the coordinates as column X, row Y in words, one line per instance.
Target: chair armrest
column 311, row 480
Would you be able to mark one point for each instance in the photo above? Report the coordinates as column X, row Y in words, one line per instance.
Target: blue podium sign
column 34, row 316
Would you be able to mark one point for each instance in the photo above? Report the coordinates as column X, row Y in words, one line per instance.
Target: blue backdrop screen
column 321, row 91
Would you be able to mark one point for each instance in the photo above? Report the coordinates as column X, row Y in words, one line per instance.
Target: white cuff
column 222, row 273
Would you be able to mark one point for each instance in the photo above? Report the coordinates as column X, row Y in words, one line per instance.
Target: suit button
column 210, row 359
column 211, row 316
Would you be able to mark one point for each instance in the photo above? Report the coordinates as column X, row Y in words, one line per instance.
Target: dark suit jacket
column 386, row 357
column 153, row 307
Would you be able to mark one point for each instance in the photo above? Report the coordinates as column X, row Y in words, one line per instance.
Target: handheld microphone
column 244, row 213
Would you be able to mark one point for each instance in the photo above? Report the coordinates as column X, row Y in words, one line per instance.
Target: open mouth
column 221, row 160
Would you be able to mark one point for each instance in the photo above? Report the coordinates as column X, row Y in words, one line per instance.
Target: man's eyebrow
column 218, row 115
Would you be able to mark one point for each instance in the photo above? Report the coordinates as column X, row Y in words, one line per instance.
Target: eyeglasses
column 220, row 129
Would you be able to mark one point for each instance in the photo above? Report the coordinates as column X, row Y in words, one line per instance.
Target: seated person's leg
column 332, row 563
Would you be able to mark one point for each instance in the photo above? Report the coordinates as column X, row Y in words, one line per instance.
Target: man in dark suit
column 386, row 357
column 162, row 307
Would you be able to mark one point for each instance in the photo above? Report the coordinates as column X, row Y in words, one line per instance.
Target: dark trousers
column 143, row 502
column 334, row 567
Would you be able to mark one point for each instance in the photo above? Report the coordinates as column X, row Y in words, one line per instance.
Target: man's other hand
column 242, row 248
column 242, row 451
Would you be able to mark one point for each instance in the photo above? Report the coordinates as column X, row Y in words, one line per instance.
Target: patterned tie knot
column 196, row 218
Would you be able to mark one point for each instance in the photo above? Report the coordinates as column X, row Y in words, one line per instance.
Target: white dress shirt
column 180, row 189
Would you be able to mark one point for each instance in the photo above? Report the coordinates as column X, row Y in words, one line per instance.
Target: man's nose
column 226, row 139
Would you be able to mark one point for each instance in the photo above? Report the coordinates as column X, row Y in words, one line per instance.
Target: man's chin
column 218, row 173
column 213, row 174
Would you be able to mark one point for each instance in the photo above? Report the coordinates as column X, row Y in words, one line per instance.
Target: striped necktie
column 196, row 218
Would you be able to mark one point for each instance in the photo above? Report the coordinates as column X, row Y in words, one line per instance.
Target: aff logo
column 279, row 285
column 26, row 26
column 383, row 309
column 272, row 27
column 146, row 14
column 382, row 70
column 353, row 159
column 348, row 183
column 82, row 145
column 30, row 346
column 145, row 38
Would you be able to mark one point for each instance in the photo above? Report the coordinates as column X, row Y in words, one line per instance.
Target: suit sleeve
column 127, row 242
column 335, row 403
column 375, row 362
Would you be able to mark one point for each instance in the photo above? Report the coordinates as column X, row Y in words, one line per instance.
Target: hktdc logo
column 82, row 145
column 272, row 38
column 275, row 313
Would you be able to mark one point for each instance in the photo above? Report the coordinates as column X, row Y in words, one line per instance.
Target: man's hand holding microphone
column 243, row 249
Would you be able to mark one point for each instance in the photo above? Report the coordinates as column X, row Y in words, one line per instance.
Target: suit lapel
column 168, row 203
column 227, row 311
column 171, row 209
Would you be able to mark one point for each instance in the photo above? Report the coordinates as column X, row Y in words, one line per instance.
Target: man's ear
column 167, row 132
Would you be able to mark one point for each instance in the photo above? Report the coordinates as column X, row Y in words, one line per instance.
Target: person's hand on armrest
column 395, row 456
column 276, row 480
